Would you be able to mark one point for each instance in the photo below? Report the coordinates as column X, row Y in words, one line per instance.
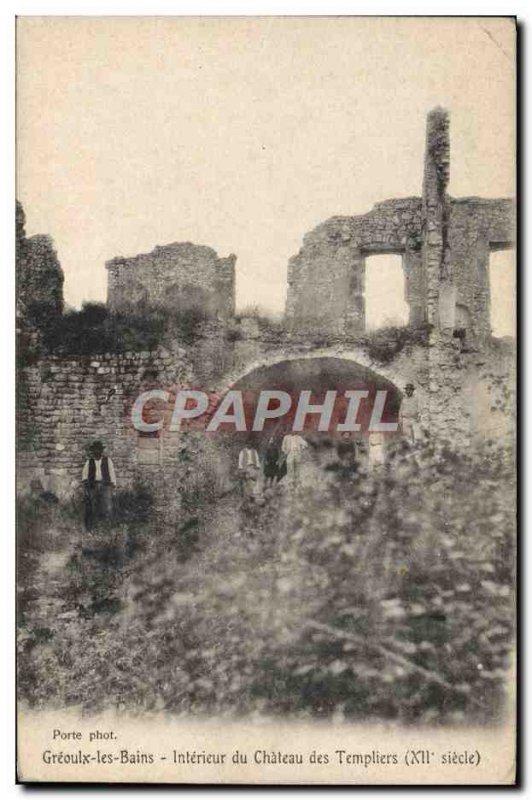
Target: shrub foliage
column 373, row 595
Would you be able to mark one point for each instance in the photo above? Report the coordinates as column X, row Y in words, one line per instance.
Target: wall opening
column 502, row 277
column 149, row 447
column 385, row 292
column 317, row 375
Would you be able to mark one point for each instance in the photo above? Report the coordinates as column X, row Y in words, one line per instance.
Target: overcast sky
column 244, row 134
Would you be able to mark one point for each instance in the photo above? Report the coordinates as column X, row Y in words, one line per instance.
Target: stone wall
column 477, row 227
column 435, row 214
column 326, row 279
column 462, row 395
column 65, row 404
column 444, row 243
column 39, row 274
column 176, row 277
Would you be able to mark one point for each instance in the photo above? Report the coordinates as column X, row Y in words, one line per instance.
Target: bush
column 385, row 344
column 266, row 321
column 234, row 335
column 133, row 505
column 186, row 325
column 424, row 630
column 94, row 329
column 387, row 597
column 379, row 595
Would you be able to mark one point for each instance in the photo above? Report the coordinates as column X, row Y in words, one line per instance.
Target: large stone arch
column 399, row 376
column 316, row 371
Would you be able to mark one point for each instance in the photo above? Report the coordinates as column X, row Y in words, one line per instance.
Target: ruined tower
column 174, row 277
column 444, row 244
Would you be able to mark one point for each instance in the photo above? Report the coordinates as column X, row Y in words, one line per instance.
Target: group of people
column 277, row 462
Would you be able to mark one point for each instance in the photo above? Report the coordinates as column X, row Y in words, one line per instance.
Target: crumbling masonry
column 175, row 277
column 444, row 244
column 65, row 403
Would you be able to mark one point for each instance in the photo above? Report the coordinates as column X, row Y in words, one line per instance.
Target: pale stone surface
column 441, row 240
column 173, row 276
column 65, row 403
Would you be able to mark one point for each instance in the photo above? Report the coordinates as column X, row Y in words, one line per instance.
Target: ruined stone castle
column 176, row 277
column 444, row 244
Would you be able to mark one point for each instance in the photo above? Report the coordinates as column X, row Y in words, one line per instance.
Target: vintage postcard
column 266, row 492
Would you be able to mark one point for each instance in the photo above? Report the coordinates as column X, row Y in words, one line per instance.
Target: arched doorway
column 316, row 376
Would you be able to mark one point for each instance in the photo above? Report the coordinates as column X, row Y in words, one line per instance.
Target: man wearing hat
column 409, row 414
column 99, row 479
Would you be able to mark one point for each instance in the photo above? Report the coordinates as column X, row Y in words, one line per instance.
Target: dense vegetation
column 94, row 330
column 384, row 344
column 45, row 327
column 383, row 595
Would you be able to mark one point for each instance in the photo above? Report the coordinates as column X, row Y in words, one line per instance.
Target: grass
column 380, row 596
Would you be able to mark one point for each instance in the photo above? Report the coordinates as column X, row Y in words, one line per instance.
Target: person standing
column 99, row 479
column 271, row 460
column 249, row 471
column 346, row 449
column 293, row 446
column 376, row 452
column 409, row 414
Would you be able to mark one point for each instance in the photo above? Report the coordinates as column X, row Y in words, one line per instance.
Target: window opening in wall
column 385, row 292
column 502, row 268
column 149, row 447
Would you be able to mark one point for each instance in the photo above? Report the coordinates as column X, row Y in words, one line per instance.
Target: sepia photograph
column 266, row 400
